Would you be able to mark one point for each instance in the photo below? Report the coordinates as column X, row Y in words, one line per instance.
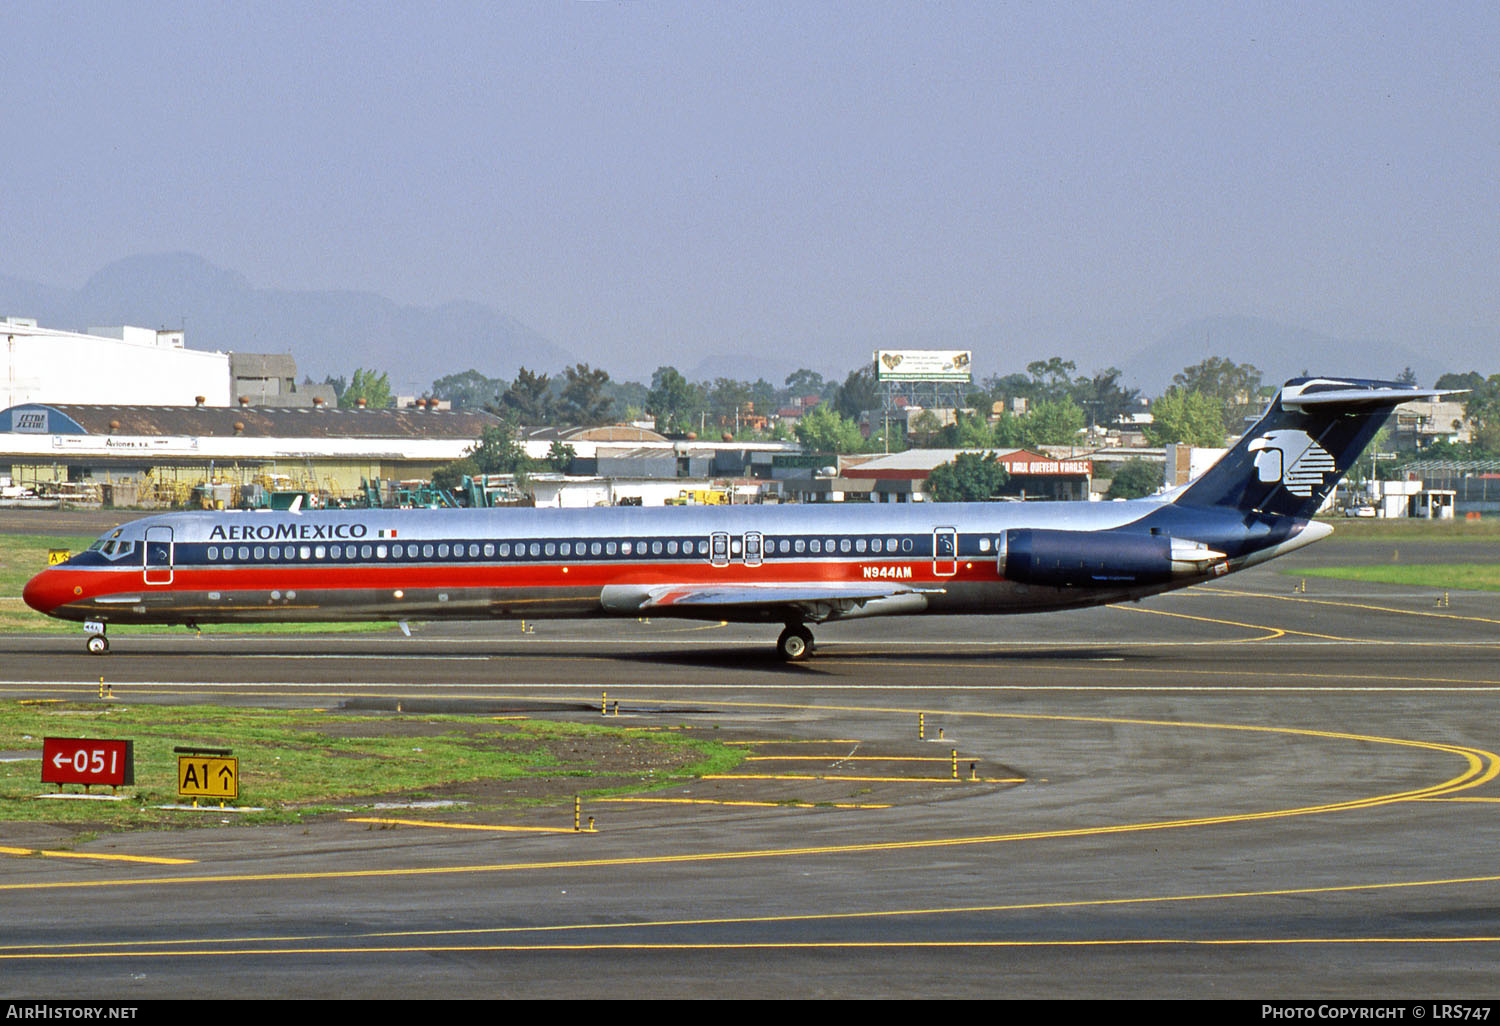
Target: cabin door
column 158, row 555
column 752, row 548
column 944, row 551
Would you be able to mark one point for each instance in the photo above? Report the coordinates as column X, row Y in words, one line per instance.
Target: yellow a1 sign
column 208, row 776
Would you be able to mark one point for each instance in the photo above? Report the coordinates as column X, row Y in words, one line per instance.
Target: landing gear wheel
column 98, row 644
column 795, row 643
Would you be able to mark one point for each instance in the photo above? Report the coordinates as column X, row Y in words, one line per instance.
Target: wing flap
column 812, row 601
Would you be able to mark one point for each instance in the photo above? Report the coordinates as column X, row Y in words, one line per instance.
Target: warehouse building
column 157, row 455
column 138, row 365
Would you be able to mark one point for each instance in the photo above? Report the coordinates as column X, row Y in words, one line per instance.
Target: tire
column 795, row 644
column 98, row 644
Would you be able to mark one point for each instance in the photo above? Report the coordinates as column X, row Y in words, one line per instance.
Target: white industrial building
column 124, row 365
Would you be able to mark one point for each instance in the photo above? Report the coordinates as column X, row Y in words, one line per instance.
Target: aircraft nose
column 45, row 592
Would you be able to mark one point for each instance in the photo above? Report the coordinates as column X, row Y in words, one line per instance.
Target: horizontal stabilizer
column 1353, row 398
column 1308, row 438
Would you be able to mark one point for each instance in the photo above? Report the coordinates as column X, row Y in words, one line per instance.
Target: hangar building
column 107, row 365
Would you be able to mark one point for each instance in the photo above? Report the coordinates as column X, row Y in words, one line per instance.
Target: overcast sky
column 652, row 180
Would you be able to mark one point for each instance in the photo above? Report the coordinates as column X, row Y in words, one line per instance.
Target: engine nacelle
column 1100, row 559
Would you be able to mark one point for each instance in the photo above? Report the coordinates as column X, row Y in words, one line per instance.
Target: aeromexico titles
column 793, row 565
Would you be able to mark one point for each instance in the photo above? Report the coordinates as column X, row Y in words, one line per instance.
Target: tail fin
column 1301, row 447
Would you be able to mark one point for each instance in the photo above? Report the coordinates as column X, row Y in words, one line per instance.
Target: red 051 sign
column 76, row 760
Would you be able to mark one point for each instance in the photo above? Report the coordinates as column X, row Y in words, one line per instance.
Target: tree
column 1047, row 422
column 1102, row 398
column 451, row 475
column 968, row 431
column 584, row 400
column 1186, row 416
column 528, row 400
column 1051, row 378
column 858, row 393
column 822, row 429
column 1483, row 408
column 560, row 456
column 1221, row 379
column 1469, row 381
column 1053, row 422
column 805, row 382
column 727, row 398
column 969, row 478
column 470, row 390
column 498, row 452
column 374, row 389
column 338, row 384
column 1233, row 386
column 925, row 428
column 1134, row 479
column 671, row 400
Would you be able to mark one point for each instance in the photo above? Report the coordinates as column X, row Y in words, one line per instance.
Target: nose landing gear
column 97, row 643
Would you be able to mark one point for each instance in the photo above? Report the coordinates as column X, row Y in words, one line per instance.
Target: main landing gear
column 795, row 643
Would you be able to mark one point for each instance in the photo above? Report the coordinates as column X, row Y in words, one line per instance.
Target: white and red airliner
column 792, row 565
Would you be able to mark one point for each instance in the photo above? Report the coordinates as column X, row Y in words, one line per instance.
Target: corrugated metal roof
column 602, row 433
column 273, row 422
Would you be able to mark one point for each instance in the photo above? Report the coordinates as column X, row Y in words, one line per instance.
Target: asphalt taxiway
column 1241, row 790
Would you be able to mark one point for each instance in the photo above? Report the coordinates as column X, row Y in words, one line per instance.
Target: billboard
column 922, row 365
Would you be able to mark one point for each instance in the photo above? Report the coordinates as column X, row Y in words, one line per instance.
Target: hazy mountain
column 1278, row 351
column 334, row 332
column 328, row 332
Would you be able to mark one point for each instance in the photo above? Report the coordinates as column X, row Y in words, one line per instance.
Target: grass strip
column 298, row 763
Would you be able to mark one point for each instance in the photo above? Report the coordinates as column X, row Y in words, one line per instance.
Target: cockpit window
column 112, row 549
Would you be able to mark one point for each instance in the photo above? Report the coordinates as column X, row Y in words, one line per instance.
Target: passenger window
column 844, row 545
column 213, row 552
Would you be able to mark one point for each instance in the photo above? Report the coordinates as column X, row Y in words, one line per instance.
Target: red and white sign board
column 77, row 760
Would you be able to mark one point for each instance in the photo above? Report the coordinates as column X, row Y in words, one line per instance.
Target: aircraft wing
column 814, row 601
